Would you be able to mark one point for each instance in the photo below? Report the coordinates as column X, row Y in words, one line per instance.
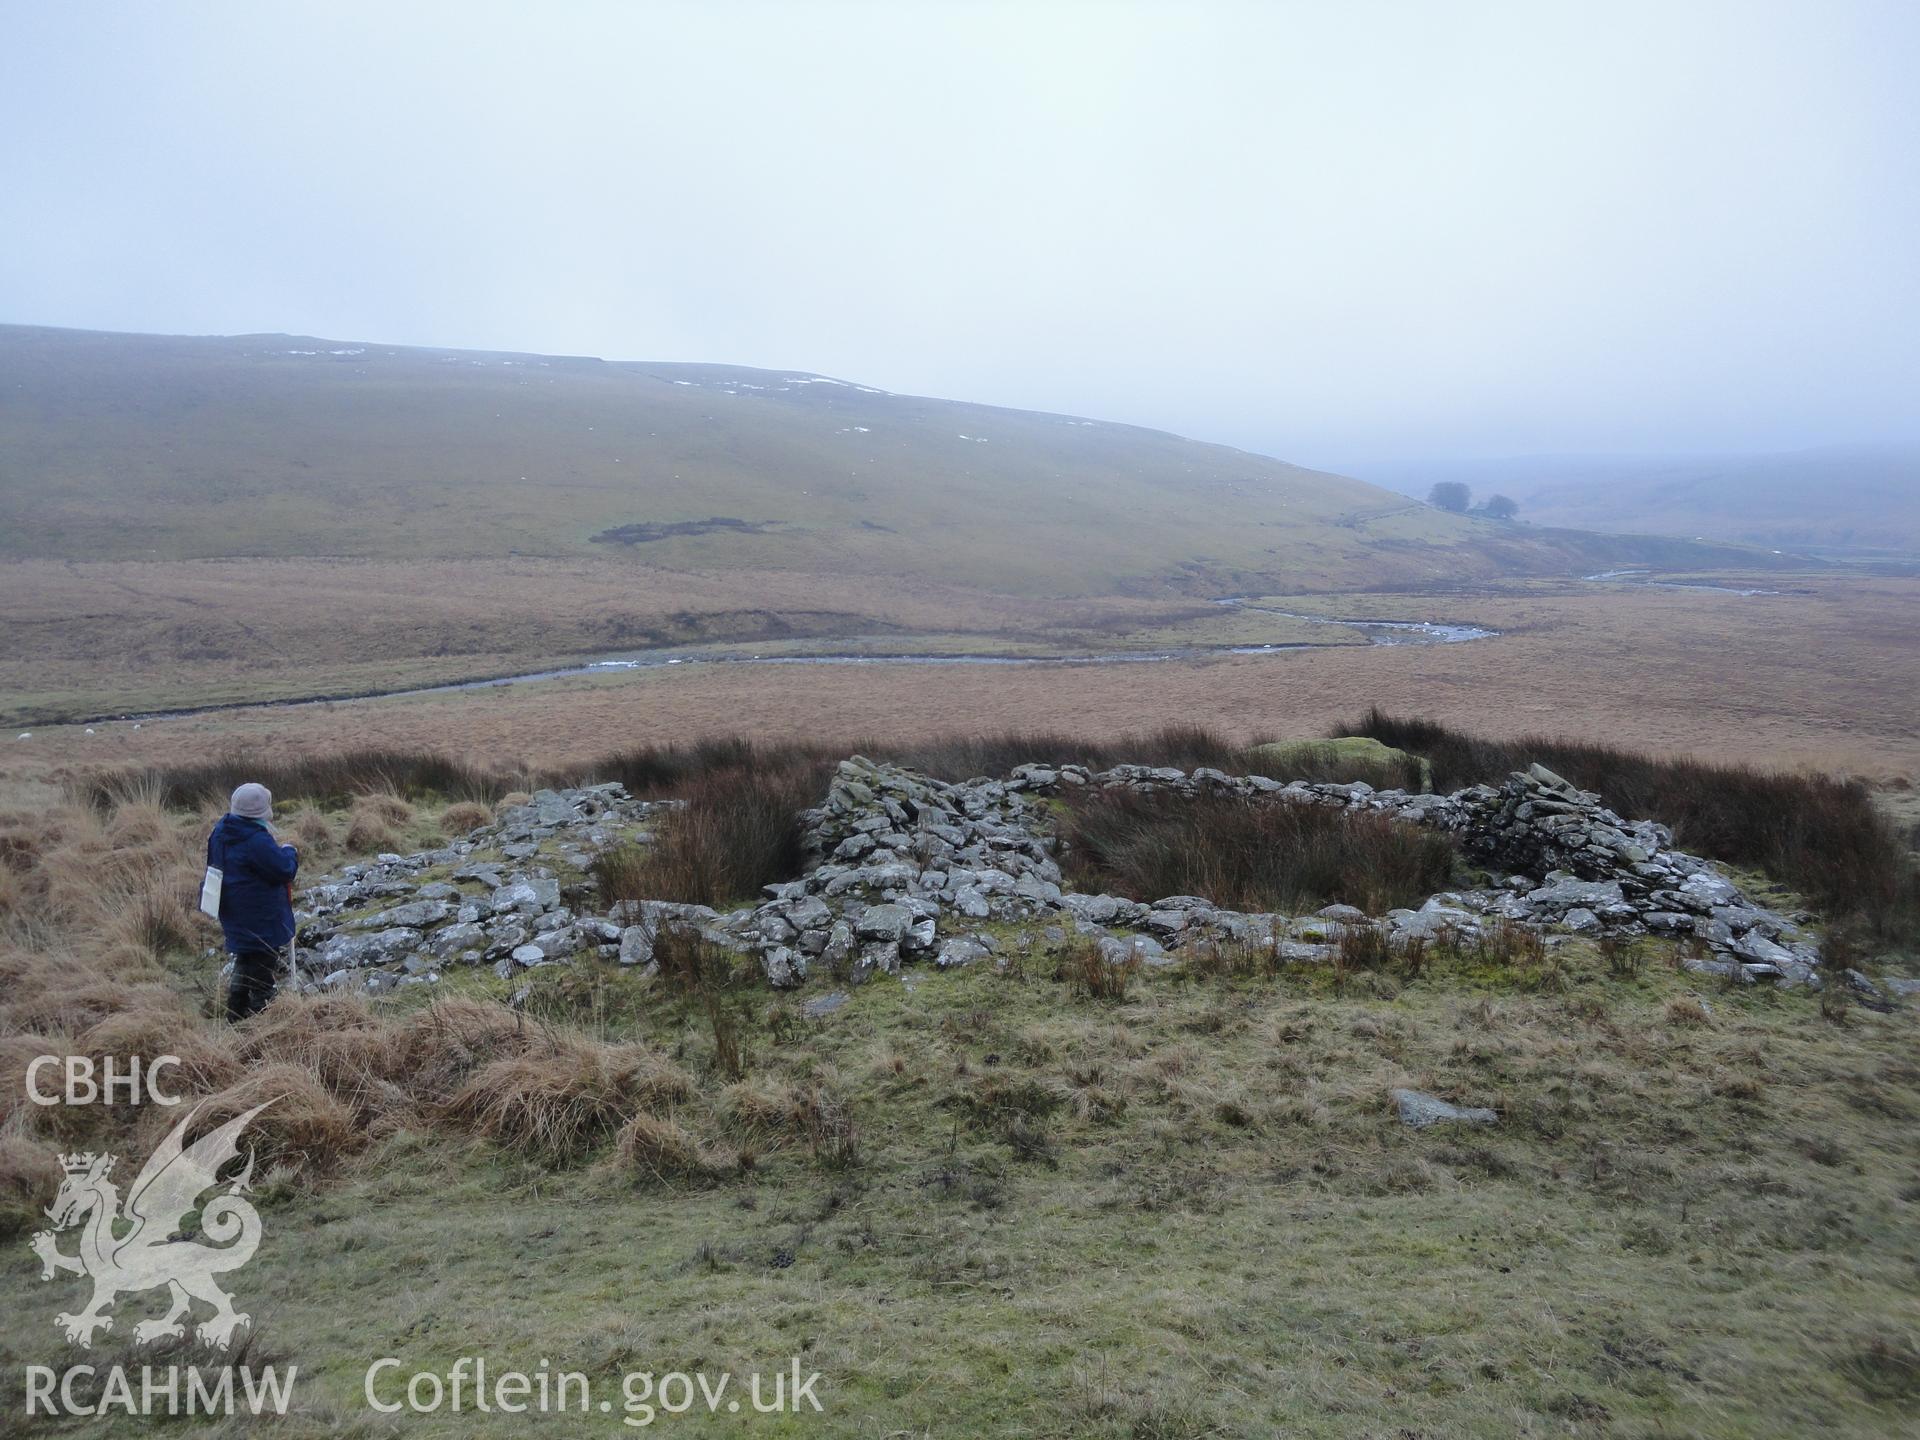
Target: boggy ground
column 1821, row 676
column 995, row 1202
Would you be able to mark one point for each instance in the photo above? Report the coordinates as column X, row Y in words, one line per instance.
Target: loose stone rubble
column 510, row 913
column 904, row 869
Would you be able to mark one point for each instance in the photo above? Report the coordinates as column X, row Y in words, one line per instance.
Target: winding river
column 1377, row 632
column 1642, row 577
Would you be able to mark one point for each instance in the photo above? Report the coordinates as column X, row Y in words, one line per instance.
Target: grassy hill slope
column 158, row 448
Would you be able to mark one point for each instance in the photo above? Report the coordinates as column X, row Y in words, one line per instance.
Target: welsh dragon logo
column 142, row 1248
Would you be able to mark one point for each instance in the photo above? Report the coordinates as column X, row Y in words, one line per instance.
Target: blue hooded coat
column 256, row 908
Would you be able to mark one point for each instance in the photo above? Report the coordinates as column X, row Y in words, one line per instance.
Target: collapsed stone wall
column 510, row 912
column 1570, row 863
column 902, row 868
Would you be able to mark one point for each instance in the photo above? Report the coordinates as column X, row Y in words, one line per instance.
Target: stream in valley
column 1377, row 632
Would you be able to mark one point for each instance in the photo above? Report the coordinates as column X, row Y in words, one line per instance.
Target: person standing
column 256, row 896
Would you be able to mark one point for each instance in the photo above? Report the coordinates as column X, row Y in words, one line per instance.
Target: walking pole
column 293, row 944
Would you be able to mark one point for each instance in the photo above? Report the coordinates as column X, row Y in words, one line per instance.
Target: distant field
column 1822, row 678
column 128, row 637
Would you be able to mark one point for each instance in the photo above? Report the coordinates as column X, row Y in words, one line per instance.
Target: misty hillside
column 149, row 447
column 1841, row 501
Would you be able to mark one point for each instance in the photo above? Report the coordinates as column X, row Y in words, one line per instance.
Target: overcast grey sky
column 1323, row 230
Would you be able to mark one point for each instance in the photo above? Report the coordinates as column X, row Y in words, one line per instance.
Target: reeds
column 1250, row 855
column 1819, row 835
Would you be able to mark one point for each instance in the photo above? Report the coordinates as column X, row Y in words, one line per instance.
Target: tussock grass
column 338, row 1040
column 549, row 1093
column 462, row 816
column 658, row 1147
column 1687, row 1011
column 555, row 1105
column 17, row 1052
column 1248, row 855
column 369, row 834
column 772, row 1111
column 207, row 1060
column 139, row 824
column 160, row 921
column 312, row 833
column 386, row 807
column 304, row 1128
column 64, row 995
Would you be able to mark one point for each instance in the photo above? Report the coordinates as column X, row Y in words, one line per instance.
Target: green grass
column 1188, row 1213
column 147, row 447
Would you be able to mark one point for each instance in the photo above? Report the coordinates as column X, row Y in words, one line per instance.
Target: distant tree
column 1499, row 507
column 1450, row 495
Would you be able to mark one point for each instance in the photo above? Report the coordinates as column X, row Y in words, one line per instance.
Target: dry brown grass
column 59, row 992
column 386, row 807
column 207, row 1058
column 773, row 1111
column 462, row 816
column 303, row 1127
column 440, row 1046
column 29, row 1175
column 337, row 1039
column 564, row 1096
column 312, row 833
column 1688, row 1012
column 368, row 834
column 658, row 1147
column 140, row 826
column 1821, row 677
column 156, row 919
column 553, row 1105
column 84, row 976
column 78, row 640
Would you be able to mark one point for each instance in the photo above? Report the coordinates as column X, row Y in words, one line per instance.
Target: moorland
column 1037, row 1194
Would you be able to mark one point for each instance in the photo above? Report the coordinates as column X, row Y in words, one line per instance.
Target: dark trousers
column 252, row 984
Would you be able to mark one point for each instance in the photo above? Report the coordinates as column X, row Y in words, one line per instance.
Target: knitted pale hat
column 253, row 801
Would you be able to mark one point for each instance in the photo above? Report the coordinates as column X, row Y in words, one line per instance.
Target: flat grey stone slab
column 1419, row 1109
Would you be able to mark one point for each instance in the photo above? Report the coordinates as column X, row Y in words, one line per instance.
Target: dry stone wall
column 904, row 869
